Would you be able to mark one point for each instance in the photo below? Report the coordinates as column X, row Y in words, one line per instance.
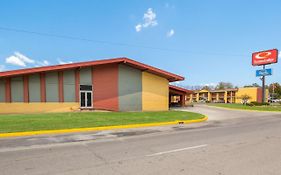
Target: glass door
column 89, row 99
column 82, row 99
column 85, row 99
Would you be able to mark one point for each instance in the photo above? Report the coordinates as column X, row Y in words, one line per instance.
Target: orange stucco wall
column 105, row 87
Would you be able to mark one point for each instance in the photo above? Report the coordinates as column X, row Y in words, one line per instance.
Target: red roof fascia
column 183, row 90
column 57, row 67
column 170, row 76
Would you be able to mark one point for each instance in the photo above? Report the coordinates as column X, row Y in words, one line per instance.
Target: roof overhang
column 223, row 90
column 178, row 90
column 143, row 67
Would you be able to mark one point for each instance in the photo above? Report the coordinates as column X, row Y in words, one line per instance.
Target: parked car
column 274, row 100
column 218, row 101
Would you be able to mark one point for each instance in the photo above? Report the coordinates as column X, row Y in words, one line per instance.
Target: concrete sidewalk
column 219, row 114
column 97, row 136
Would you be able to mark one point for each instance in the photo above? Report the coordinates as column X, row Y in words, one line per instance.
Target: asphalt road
column 231, row 142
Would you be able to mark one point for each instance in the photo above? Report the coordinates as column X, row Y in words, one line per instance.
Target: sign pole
column 263, row 86
column 263, row 58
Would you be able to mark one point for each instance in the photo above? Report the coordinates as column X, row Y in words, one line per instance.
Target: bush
column 250, row 104
column 255, row 103
column 266, row 104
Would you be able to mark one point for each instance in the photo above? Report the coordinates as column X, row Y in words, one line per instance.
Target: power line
column 114, row 43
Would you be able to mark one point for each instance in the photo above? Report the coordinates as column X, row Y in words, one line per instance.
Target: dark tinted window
column 83, row 99
column 89, row 99
column 85, row 87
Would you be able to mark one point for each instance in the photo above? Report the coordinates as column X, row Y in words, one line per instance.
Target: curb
column 102, row 128
column 249, row 110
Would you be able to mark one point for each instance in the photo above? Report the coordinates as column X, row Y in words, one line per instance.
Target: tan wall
column 12, row 108
column 155, row 93
column 251, row 91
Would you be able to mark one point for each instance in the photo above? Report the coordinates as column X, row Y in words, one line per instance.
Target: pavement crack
column 108, row 163
column 95, row 154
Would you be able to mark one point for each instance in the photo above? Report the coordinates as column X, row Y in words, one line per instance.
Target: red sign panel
column 265, row 57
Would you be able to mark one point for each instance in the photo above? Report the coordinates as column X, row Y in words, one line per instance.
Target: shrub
column 266, row 104
column 250, row 104
column 255, row 103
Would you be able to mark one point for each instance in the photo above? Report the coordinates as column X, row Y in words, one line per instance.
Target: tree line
column 274, row 88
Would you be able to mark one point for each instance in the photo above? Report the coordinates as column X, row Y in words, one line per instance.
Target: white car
column 275, row 100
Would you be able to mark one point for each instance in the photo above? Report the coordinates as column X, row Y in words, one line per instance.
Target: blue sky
column 205, row 41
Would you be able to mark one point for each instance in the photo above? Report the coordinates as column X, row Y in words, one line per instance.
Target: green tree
column 206, row 88
column 253, row 85
column 275, row 90
column 224, row 85
column 256, row 85
column 245, row 98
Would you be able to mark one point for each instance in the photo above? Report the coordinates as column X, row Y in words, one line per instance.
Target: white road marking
column 177, row 150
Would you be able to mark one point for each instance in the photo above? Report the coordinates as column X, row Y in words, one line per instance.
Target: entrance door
column 85, row 99
column 86, row 96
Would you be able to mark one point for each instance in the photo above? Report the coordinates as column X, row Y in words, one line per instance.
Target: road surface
column 231, row 142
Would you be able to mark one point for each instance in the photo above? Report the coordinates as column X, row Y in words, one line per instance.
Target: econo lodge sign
column 265, row 57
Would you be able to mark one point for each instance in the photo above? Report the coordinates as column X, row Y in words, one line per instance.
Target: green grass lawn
column 50, row 121
column 240, row 106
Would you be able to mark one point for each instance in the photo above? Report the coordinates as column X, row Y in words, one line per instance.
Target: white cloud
column 210, row 84
column 170, row 33
column 15, row 61
column 19, row 59
column 64, row 62
column 138, row 27
column 177, row 83
column 279, row 55
column 167, row 5
column 2, row 68
column 149, row 20
column 24, row 58
column 43, row 63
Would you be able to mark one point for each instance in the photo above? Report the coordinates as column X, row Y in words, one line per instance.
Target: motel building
column 118, row 84
column 227, row 95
